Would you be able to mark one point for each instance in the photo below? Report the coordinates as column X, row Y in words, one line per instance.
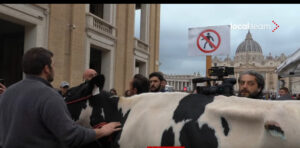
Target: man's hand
column 107, row 129
column 2, row 88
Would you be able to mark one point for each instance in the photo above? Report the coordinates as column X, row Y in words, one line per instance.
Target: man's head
column 89, row 74
column 113, row 91
column 127, row 93
column 283, row 91
column 38, row 61
column 155, row 79
column 163, row 84
column 64, row 86
column 251, row 84
column 139, row 84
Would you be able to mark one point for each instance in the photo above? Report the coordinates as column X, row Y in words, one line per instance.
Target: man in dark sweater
column 284, row 94
column 33, row 114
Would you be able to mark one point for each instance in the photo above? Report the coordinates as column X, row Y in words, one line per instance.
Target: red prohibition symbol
column 215, row 47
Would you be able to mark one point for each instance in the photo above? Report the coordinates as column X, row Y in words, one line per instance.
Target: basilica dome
column 249, row 45
column 249, row 51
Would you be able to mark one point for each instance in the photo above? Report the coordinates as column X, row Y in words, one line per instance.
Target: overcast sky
column 175, row 20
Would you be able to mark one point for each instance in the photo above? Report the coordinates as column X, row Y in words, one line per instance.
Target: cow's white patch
column 84, row 118
column 96, row 90
column 102, row 113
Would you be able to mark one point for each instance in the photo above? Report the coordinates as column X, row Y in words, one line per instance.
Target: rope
column 80, row 99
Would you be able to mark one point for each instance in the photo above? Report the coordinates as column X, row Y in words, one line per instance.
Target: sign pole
column 208, row 64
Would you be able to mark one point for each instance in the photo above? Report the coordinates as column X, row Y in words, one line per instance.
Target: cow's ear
column 99, row 81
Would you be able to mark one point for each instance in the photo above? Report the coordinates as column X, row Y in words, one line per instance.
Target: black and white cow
column 199, row 121
column 195, row 121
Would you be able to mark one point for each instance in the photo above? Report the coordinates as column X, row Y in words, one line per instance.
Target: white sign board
column 212, row 40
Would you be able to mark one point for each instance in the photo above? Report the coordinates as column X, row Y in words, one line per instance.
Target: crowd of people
column 30, row 102
column 251, row 85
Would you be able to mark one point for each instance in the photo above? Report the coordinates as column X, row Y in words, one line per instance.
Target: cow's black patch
column 168, row 138
column 276, row 128
column 191, row 136
column 191, row 107
column 76, row 93
column 118, row 134
column 103, row 103
column 225, row 126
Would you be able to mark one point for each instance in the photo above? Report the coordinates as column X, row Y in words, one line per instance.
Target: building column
column 267, row 81
column 181, row 85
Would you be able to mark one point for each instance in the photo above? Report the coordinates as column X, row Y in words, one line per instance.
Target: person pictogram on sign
column 209, row 38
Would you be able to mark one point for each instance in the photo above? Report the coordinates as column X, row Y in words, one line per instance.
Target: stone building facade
column 249, row 56
column 179, row 82
column 81, row 36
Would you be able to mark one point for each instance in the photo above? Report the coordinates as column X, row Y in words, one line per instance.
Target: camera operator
column 251, row 85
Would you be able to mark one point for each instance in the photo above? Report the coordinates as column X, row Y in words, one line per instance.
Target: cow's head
column 86, row 88
column 77, row 98
column 91, row 106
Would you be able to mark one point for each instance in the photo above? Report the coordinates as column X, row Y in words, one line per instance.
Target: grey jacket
column 34, row 115
column 285, row 97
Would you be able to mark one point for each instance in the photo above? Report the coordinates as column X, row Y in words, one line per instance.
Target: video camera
column 204, row 86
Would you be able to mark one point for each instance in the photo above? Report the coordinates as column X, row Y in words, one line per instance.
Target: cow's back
column 194, row 120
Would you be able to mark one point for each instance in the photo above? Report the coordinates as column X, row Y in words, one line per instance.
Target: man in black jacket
column 34, row 115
